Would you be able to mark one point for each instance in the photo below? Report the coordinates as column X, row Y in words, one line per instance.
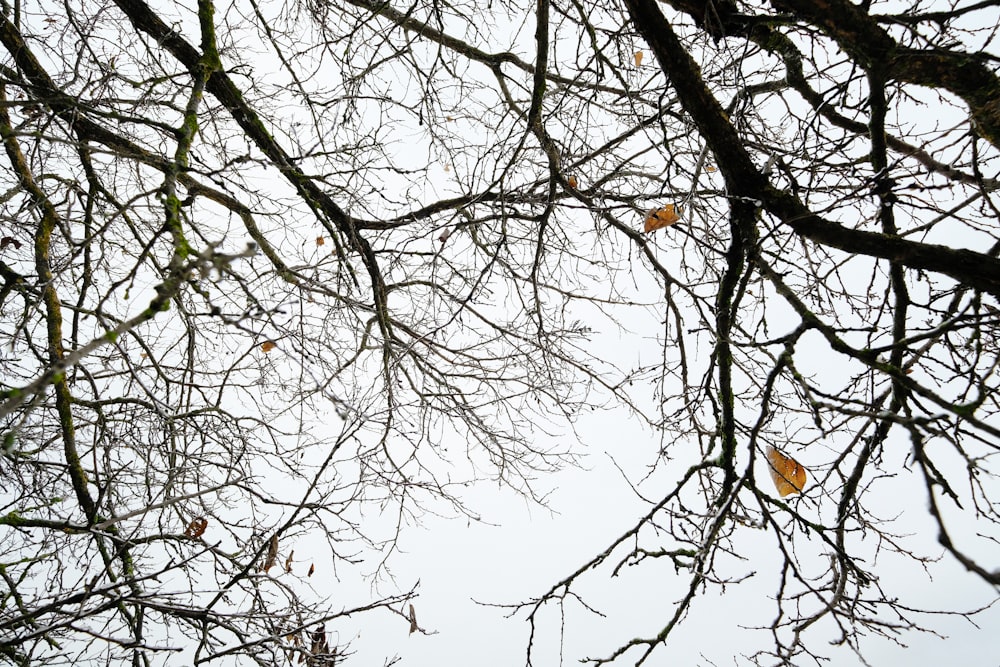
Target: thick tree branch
column 745, row 181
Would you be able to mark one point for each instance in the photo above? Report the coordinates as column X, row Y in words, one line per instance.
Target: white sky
column 458, row 563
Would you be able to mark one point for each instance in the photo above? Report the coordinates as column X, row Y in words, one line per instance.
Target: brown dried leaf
column 9, row 240
column 196, row 528
column 320, row 240
column 319, row 645
column 312, row 568
column 413, row 620
column 288, row 561
column 638, row 58
column 267, row 346
column 272, row 553
column 572, row 182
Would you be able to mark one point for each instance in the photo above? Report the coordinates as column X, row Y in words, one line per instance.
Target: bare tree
column 270, row 266
column 852, row 221
column 205, row 366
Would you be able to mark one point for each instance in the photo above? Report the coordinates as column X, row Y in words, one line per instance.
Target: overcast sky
column 518, row 551
column 472, row 571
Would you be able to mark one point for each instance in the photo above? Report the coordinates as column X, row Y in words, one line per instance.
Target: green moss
column 12, row 519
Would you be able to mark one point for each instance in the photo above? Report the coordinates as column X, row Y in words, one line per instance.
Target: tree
column 268, row 269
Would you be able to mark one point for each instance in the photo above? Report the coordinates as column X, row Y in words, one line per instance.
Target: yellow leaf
column 710, row 169
column 638, row 58
column 658, row 218
column 788, row 474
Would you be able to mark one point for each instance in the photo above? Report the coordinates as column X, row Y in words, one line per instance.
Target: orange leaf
column 638, row 58
column 710, row 169
column 267, row 346
column 788, row 474
column 197, row 527
column 571, row 181
column 658, row 218
column 320, row 240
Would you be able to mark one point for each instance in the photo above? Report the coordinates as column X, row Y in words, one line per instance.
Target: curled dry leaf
column 413, row 620
column 288, row 561
column 319, row 645
column 272, row 553
column 9, row 240
column 445, row 235
column 572, row 182
column 638, row 58
column 788, row 474
column 267, row 346
column 320, row 240
column 312, row 568
column 197, row 527
column 658, row 218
